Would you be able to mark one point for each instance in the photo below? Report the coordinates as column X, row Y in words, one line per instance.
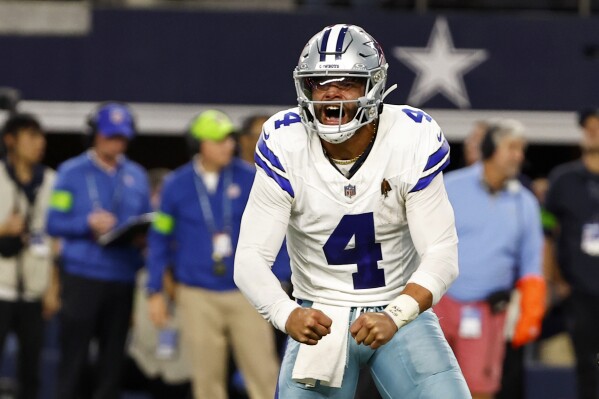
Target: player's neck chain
column 346, row 161
column 354, row 159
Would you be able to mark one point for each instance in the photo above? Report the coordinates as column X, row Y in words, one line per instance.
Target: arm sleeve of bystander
column 64, row 220
column 531, row 282
column 160, row 237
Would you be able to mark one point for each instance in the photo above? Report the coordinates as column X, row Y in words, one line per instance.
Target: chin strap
column 385, row 94
column 389, row 90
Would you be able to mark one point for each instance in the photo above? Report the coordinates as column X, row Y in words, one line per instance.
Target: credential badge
column 350, row 191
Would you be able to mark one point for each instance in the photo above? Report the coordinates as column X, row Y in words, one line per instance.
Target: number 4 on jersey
column 417, row 115
column 288, row 119
column 366, row 252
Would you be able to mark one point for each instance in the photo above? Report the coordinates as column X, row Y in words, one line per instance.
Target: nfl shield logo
column 350, row 190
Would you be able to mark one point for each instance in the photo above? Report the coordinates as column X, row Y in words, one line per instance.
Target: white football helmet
column 338, row 53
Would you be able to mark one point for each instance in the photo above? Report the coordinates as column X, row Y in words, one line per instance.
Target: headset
column 92, row 122
column 191, row 143
column 488, row 145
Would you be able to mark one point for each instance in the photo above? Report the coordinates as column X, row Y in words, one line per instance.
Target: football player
column 358, row 190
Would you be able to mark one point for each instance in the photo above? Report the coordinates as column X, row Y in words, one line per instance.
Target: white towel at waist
column 325, row 361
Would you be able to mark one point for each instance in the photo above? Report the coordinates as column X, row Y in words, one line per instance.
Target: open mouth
column 332, row 114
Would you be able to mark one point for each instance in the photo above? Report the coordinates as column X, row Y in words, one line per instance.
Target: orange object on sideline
column 533, row 294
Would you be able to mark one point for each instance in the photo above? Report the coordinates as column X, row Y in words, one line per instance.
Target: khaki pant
column 211, row 321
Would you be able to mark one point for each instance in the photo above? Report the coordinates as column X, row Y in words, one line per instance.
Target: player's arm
column 263, row 229
column 432, row 227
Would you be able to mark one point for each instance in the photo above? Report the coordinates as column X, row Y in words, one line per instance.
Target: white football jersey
column 348, row 238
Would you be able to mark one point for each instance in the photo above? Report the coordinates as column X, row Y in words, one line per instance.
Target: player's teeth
column 332, row 111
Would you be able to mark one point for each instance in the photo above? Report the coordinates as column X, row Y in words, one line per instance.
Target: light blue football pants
column 416, row 364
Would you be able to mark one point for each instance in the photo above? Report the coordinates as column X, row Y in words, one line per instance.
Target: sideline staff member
column 200, row 214
column 95, row 192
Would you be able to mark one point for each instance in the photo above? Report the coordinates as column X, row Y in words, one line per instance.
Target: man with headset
column 200, row 215
column 500, row 246
column 94, row 193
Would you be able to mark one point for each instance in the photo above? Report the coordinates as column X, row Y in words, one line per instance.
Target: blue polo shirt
column 82, row 186
column 180, row 236
column 500, row 234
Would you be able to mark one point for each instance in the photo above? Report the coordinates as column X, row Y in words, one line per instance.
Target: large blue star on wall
column 440, row 67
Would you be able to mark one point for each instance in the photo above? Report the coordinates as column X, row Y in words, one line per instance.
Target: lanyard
column 92, row 186
column 94, row 195
column 204, row 201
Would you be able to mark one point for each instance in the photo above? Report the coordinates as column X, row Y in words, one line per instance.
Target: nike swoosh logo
column 266, row 136
column 440, row 136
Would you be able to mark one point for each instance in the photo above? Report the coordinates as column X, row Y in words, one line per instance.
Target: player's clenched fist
column 373, row 329
column 307, row 325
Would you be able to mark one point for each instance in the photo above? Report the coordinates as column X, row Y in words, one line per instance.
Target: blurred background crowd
column 156, row 106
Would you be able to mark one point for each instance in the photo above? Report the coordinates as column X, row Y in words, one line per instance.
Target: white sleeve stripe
column 436, row 167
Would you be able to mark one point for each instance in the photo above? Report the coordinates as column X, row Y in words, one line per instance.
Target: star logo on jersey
column 350, row 191
column 440, row 67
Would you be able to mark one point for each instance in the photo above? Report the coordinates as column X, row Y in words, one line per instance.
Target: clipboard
column 124, row 234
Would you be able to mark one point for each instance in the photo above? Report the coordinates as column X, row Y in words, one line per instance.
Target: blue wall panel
column 534, row 63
